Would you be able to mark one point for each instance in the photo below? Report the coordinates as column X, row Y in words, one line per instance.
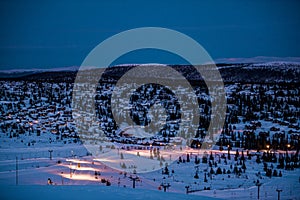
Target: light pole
column 165, row 185
column 50, row 154
column 228, row 148
column 62, row 178
column 278, row 190
column 187, row 189
column 134, row 179
column 258, row 187
column 288, row 147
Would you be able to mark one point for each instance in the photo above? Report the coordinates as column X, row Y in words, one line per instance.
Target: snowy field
column 73, row 168
column 88, row 192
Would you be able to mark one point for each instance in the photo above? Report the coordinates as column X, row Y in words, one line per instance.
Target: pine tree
column 243, row 157
column 180, row 159
column 204, row 159
column 197, row 161
column 196, row 176
column 123, row 166
column 205, row 178
column 160, row 163
column 244, row 166
column 258, row 159
column 151, row 155
column 211, row 156
column 219, row 171
column 275, row 173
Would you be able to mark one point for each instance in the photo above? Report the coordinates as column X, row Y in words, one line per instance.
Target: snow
column 88, row 192
column 72, row 165
column 258, row 59
column 70, row 168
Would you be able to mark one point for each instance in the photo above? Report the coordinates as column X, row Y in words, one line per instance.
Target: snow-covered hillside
column 259, row 144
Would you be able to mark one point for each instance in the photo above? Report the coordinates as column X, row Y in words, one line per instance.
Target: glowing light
column 80, row 168
column 82, row 177
column 78, row 161
column 107, row 160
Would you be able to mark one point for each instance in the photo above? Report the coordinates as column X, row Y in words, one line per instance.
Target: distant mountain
column 265, row 72
column 12, row 73
column 258, row 59
column 258, row 69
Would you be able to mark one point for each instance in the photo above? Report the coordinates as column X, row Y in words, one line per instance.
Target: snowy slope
column 88, row 192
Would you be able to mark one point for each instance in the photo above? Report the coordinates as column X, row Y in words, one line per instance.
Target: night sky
column 50, row 34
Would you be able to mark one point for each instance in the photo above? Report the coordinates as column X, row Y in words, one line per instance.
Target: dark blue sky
column 61, row 33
